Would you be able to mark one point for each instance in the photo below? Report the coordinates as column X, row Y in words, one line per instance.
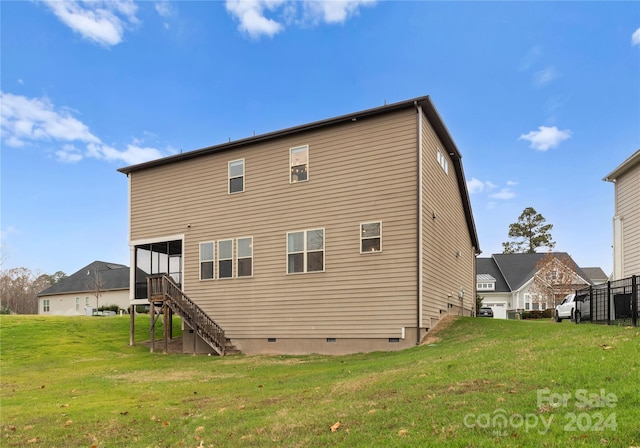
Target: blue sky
column 542, row 99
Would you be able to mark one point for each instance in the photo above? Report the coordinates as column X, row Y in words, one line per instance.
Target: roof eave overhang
column 623, row 167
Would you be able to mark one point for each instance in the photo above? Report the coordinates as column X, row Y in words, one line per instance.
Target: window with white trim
column 371, row 237
column 207, row 259
column 245, row 256
column 486, row 286
column 442, row 160
column 305, row 251
column 86, row 301
column 236, row 176
column 225, row 259
column 299, row 164
column 46, row 306
column 77, row 303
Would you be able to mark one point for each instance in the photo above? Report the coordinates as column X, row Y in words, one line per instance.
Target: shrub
column 537, row 314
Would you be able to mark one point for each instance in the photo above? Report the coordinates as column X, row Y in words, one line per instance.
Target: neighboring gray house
column 596, row 275
column 626, row 219
column 76, row 295
column 505, row 281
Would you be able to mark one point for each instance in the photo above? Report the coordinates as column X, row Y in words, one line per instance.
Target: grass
column 75, row 382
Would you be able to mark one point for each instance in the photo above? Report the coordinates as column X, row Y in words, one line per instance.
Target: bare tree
column 19, row 288
column 96, row 285
column 555, row 277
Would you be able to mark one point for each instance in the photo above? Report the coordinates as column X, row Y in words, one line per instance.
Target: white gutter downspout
column 420, row 226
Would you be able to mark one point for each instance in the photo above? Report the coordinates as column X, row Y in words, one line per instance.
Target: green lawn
column 75, row 382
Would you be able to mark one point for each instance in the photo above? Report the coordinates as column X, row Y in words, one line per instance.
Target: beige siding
column 628, row 207
column 448, row 254
column 358, row 172
column 65, row 304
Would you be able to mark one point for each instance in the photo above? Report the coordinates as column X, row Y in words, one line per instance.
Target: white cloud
column 511, row 183
column 546, row 137
column 478, row 186
column 635, row 37
column 102, row 22
column 69, row 154
column 333, row 11
column 131, row 156
column 250, row 13
column 35, row 119
column 164, row 8
column 545, row 76
column 253, row 20
column 475, row 186
column 32, row 120
column 504, row 194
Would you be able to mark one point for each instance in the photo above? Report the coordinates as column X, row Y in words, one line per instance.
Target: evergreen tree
column 529, row 233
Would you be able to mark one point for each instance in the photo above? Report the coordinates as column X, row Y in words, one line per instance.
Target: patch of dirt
column 174, row 345
column 432, row 335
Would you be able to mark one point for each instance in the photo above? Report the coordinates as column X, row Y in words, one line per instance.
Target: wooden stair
column 163, row 292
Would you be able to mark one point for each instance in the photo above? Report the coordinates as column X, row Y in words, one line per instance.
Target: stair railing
column 161, row 287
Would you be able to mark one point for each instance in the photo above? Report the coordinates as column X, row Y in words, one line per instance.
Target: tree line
column 19, row 288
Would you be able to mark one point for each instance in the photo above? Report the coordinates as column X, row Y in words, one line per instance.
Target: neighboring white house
column 505, row 282
column 626, row 218
column 76, row 295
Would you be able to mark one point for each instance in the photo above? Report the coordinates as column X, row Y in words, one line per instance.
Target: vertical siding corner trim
column 420, row 223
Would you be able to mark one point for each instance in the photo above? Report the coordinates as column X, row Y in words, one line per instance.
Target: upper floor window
column 299, row 163
column 206, row 260
column 442, row 160
column 225, row 259
column 245, row 256
column 371, row 237
column 236, row 176
column 305, row 251
column 486, row 286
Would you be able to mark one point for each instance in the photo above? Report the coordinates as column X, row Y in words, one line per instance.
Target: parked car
column 573, row 307
column 485, row 311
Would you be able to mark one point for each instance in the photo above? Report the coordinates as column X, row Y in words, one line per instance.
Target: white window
column 305, row 251
column 442, row 160
column 206, row 260
column 77, row 303
column 46, row 305
column 236, row 176
column 245, row 256
column 86, row 301
column 486, row 286
column 371, row 237
column 225, row 259
column 299, row 164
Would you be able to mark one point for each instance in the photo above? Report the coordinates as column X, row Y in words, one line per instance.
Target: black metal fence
column 612, row 303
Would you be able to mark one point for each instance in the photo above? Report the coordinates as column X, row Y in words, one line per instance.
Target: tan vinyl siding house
column 626, row 220
column 245, row 209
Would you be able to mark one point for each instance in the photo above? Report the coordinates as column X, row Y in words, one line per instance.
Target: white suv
column 572, row 308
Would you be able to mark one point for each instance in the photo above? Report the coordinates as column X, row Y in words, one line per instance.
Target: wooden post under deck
column 165, row 323
column 152, row 332
column 132, row 317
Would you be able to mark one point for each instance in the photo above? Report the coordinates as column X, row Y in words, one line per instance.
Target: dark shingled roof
column 596, row 275
column 516, row 269
column 114, row 276
column 489, row 266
